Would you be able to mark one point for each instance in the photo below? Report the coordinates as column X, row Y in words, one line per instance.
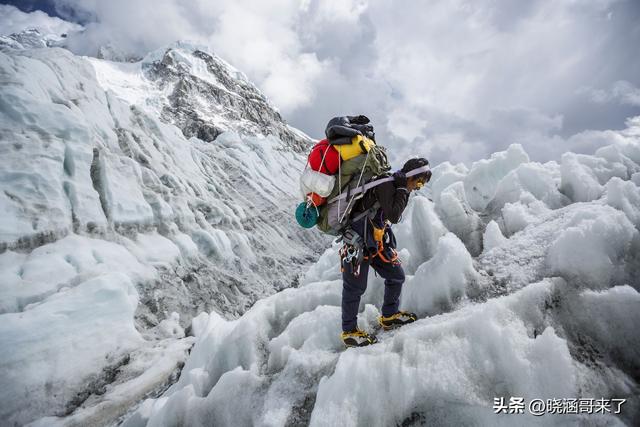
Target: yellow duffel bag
column 359, row 145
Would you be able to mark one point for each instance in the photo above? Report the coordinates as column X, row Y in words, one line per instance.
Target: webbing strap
column 375, row 183
column 373, row 209
column 349, row 206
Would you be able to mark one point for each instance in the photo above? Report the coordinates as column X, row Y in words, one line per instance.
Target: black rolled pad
column 359, row 120
column 340, row 126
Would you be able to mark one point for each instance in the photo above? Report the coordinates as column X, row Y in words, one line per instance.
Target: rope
column 310, row 202
column 339, row 179
column 321, row 164
column 324, row 156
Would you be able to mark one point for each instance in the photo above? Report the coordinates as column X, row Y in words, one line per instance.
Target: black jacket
column 392, row 202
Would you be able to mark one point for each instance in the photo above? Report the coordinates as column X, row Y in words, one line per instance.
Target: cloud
column 458, row 80
column 12, row 20
column 455, row 79
column 621, row 91
column 447, row 137
column 260, row 38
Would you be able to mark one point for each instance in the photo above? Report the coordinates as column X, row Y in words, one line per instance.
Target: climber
column 369, row 241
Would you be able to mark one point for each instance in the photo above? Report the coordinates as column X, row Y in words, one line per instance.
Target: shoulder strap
column 377, row 182
column 372, row 210
column 369, row 212
column 361, row 189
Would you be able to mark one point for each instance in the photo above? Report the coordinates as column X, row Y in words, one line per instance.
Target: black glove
column 400, row 179
column 370, row 135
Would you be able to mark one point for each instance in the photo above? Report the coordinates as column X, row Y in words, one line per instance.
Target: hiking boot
column 396, row 320
column 358, row 338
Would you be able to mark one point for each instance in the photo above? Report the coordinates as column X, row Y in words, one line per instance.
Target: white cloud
column 259, row 38
column 457, row 79
column 621, row 91
column 12, row 20
column 464, row 79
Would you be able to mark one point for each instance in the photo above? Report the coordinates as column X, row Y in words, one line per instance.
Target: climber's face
column 415, row 184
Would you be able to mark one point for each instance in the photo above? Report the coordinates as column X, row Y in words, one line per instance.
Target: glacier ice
column 419, row 232
column 58, row 344
column 482, row 180
column 441, row 281
column 591, row 248
column 445, row 369
column 519, row 320
column 458, row 216
column 625, row 196
column 549, row 312
column 492, row 236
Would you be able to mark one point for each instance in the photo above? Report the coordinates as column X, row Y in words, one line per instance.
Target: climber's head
column 416, row 182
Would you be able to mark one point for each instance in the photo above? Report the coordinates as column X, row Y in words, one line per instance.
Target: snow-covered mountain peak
column 183, row 52
column 189, row 86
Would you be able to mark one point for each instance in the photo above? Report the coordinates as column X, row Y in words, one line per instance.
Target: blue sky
column 451, row 80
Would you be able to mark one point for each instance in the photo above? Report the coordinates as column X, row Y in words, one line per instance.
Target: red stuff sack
column 316, row 199
column 327, row 152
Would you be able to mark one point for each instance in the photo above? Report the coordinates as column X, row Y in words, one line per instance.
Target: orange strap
column 378, row 236
column 379, row 253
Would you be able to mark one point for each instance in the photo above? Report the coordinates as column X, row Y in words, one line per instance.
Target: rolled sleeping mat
column 359, row 145
column 306, row 215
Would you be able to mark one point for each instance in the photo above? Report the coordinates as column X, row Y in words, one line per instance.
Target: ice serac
column 548, row 309
column 117, row 211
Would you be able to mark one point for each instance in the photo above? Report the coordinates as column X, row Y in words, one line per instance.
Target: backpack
column 347, row 159
column 334, row 215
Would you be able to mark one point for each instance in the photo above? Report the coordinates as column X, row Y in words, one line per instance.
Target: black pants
column 354, row 287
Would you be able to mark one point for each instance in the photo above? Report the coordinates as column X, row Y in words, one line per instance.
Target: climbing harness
column 352, row 252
